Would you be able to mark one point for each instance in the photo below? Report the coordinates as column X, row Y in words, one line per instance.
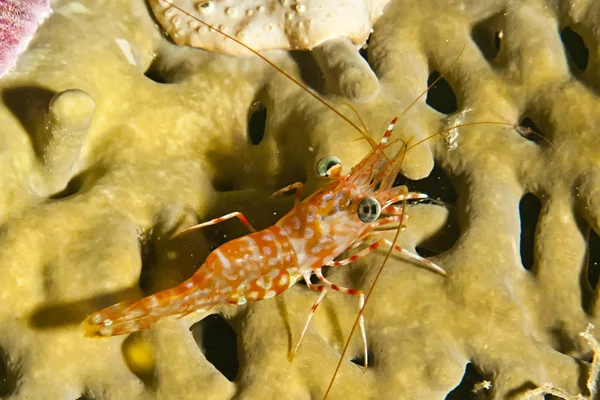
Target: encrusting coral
column 111, row 134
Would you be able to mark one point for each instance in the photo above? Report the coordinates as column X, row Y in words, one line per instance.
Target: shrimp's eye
column 325, row 164
column 369, row 209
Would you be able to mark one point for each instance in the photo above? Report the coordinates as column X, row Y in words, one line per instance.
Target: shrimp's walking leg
column 361, row 297
column 298, row 186
column 313, row 309
column 376, row 245
column 225, row 217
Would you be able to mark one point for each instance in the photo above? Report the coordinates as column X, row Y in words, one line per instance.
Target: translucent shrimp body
column 263, row 264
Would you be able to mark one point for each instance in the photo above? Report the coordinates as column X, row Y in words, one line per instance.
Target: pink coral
column 19, row 20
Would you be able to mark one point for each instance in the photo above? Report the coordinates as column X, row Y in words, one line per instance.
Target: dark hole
column 257, row 122
column 437, row 186
column 73, row 187
column 313, row 279
column 7, row 380
column 531, row 131
column 364, row 50
column 155, row 74
column 441, row 96
column 593, row 267
column 487, row 39
column 440, row 190
column 218, row 343
column 576, row 48
column 360, row 360
column 529, row 212
column 464, row 390
column 149, row 261
column 425, row 252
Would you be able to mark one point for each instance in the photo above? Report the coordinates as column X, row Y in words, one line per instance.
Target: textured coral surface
column 113, row 137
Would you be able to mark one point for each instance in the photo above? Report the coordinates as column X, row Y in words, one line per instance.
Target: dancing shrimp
column 262, row 264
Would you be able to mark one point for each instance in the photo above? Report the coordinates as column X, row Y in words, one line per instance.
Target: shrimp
column 263, row 264
column 346, row 214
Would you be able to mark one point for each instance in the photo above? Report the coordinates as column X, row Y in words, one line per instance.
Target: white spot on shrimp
column 268, row 237
column 283, row 280
column 224, row 261
column 266, row 251
column 189, row 285
column 296, row 222
column 252, row 295
column 106, row 331
column 273, row 273
column 107, row 322
column 270, row 293
column 97, row 319
column 242, row 300
column 308, row 233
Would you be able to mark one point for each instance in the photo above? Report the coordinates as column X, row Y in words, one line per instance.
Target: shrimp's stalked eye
column 329, row 166
column 369, row 209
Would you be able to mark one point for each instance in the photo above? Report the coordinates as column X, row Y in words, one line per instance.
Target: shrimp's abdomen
column 251, row 268
column 257, row 266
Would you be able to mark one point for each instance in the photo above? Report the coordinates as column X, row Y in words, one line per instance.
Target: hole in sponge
column 465, row 389
column 360, row 360
column 155, row 74
column 364, row 50
column 218, row 343
column 437, row 186
column 529, row 212
column 593, row 265
column 529, row 130
column 487, row 38
column 441, row 192
column 257, row 122
column 575, row 47
column 441, row 97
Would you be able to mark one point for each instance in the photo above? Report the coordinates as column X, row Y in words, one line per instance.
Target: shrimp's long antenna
column 408, row 147
column 288, row 76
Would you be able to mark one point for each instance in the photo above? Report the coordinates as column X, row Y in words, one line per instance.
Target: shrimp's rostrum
column 262, row 264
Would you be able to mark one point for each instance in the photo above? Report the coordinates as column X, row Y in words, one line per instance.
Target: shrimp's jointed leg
column 313, row 309
column 361, row 301
column 298, row 186
column 215, row 221
column 323, row 290
column 376, row 245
